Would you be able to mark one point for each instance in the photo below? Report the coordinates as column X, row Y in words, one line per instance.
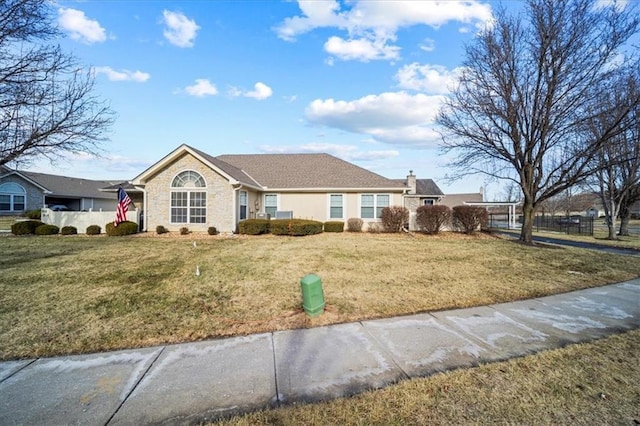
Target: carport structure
column 511, row 205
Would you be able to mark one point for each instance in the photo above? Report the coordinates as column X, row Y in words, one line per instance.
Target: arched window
column 188, row 201
column 13, row 197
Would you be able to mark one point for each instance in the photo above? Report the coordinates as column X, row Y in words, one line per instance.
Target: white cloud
column 396, row 117
column 428, row 45
column 372, row 25
column 123, row 75
column 201, row 88
column 260, row 92
column 346, row 152
column 361, row 49
column 180, row 30
column 427, row 78
column 80, row 27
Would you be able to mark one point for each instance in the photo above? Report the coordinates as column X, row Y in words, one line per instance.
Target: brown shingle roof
column 304, row 171
column 424, row 187
column 70, row 187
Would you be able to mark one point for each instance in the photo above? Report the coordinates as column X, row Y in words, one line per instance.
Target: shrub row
column 294, row 227
column 467, row 219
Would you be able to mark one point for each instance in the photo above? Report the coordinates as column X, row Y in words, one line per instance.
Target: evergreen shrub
column 93, row 230
column 47, row 229
column 334, row 226
column 254, row 226
column 25, row 227
column 69, row 230
column 295, row 227
column 123, row 228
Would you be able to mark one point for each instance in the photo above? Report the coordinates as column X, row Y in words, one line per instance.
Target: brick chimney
column 411, row 182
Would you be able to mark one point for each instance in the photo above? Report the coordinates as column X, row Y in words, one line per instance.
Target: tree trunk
column 526, row 234
column 625, row 214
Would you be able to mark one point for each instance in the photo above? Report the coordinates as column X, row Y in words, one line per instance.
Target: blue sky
column 361, row 80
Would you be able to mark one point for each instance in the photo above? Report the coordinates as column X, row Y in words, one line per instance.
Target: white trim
column 264, row 201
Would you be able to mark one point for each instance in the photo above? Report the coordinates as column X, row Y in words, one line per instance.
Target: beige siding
column 220, row 197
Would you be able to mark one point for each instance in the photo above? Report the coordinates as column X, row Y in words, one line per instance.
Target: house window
column 188, row 205
column 271, row 204
column 336, row 207
column 243, row 205
column 371, row 205
column 12, row 197
column 427, row 202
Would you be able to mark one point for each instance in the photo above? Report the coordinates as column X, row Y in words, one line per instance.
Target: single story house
column 21, row 191
column 189, row 188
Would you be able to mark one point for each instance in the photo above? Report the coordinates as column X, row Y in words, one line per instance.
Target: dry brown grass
column 78, row 294
column 590, row 384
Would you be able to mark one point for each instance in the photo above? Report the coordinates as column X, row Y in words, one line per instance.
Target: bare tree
column 531, row 81
column 47, row 105
column 618, row 175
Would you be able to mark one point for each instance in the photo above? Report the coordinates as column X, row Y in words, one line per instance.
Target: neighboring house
column 189, row 188
column 21, row 191
column 420, row 192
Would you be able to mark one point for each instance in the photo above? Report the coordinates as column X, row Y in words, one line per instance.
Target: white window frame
column 13, row 190
column 276, row 207
column 192, row 198
column 342, row 206
column 245, row 205
column 428, row 202
column 376, row 205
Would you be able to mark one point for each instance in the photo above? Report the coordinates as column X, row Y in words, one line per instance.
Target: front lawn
column 78, row 294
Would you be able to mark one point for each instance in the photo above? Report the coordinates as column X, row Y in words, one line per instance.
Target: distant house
column 189, row 188
column 21, row 191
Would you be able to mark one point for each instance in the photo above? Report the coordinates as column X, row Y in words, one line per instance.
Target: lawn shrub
column 254, row 226
column 432, row 219
column 334, row 226
column 354, row 224
column 123, row 228
column 295, row 227
column 93, row 230
column 25, row 227
column 394, row 218
column 69, row 230
column 47, row 229
column 184, row 231
column 469, row 219
column 212, row 230
column 374, row 228
column 161, row 230
column 34, row 214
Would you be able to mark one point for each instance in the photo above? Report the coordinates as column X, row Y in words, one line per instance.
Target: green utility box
column 312, row 295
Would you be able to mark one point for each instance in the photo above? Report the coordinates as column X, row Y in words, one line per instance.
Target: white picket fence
column 81, row 220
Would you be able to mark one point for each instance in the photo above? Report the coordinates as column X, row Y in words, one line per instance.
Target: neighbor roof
column 424, row 187
column 68, row 186
column 306, row 171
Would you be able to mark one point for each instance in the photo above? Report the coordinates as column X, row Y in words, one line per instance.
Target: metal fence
column 581, row 225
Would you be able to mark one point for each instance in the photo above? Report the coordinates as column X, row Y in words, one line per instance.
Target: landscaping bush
column 123, row 228
column 432, row 219
column 212, row 230
column 161, row 230
column 394, row 218
column 34, row 214
column 374, row 228
column 93, row 230
column 469, row 219
column 354, row 224
column 25, row 227
column 254, row 226
column 295, row 227
column 334, row 226
column 69, row 230
column 184, row 231
column 47, row 229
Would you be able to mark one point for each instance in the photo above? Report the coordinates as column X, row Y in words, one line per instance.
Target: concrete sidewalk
column 194, row 382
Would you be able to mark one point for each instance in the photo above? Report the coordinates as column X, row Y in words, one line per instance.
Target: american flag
column 123, row 205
